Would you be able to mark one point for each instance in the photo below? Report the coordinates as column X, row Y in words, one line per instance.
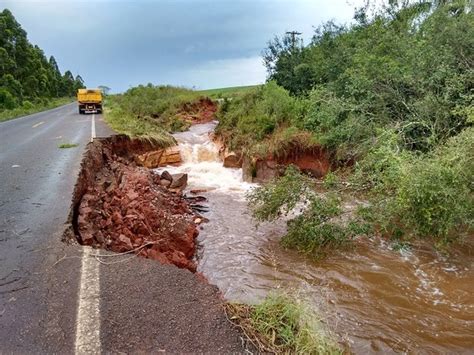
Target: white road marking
column 38, row 124
column 15, row 166
column 93, row 127
column 88, row 310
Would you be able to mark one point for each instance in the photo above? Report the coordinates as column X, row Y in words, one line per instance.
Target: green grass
column 67, row 145
column 283, row 325
column 30, row 108
column 227, row 92
column 135, row 127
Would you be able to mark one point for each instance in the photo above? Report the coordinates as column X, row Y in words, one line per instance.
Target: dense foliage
column 391, row 97
column 27, row 77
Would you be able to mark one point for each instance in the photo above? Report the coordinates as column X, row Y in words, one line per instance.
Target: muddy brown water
column 374, row 298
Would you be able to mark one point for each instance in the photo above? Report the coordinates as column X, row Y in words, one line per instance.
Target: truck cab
column 89, row 100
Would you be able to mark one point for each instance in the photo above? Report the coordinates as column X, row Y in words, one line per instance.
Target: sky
column 198, row 44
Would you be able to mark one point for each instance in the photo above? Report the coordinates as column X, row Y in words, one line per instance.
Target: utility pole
column 293, row 35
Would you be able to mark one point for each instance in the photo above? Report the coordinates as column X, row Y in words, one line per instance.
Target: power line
column 293, row 37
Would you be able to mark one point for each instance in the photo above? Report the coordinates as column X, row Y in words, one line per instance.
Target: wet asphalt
column 144, row 306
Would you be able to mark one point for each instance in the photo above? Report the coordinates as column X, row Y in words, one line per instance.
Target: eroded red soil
column 200, row 111
column 121, row 207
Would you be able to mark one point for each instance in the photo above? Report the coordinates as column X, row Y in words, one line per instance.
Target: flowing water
column 376, row 299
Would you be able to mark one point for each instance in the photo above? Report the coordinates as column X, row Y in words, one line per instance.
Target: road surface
column 55, row 297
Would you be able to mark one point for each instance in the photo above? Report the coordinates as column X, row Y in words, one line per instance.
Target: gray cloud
column 201, row 43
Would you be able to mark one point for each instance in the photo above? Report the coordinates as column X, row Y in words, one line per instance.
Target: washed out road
column 56, row 297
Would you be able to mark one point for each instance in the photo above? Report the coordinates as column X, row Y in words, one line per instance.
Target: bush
column 434, row 196
column 7, row 100
column 426, row 195
column 27, row 105
column 278, row 197
column 317, row 230
column 314, row 233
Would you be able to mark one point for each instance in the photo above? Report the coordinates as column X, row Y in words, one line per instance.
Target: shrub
column 426, row 195
column 434, row 196
column 279, row 196
column 7, row 100
column 27, row 105
column 317, row 232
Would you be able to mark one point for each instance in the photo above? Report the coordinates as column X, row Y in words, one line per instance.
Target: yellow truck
column 89, row 100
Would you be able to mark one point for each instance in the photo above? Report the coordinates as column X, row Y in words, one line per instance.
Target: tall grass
column 283, row 325
column 29, row 108
column 150, row 112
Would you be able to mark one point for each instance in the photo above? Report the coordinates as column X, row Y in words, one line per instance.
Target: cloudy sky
column 193, row 43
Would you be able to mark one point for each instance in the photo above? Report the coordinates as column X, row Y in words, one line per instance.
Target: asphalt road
column 55, row 298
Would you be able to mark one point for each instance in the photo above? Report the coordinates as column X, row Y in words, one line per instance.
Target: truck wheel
column 80, row 111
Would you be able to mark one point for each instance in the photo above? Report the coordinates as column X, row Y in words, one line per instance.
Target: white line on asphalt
column 38, row 124
column 88, row 311
column 93, row 127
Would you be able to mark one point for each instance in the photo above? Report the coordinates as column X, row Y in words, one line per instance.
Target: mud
column 122, row 207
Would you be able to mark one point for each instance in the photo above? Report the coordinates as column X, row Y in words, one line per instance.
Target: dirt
column 122, row 207
column 200, row 111
column 314, row 162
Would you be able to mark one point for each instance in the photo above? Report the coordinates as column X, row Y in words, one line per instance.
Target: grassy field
column 30, row 108
column 227, row 92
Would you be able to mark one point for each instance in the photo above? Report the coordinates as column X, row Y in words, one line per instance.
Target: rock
column 248, row 169
column 165, row 183
column 170, row 156
column 198, row 191
column 125, row 242
column 165, row 175
column 150, row 160
column 198, row 221
column 179, row 181
column 265, row 170
column 232, row 159
column 161, row 157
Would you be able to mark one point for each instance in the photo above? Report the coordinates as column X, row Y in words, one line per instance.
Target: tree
column 105, row 89
column 25, row 71
column 78, row 83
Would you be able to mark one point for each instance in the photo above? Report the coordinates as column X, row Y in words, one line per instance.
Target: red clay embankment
column 121, row 207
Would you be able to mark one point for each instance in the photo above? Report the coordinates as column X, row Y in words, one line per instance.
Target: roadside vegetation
column 28, row 108
column 29, row 82
column 67, row 145
column 283, row 325
column 154, row 112
column 390, row 98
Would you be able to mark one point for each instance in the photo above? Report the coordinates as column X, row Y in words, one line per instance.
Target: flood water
column 374, row 298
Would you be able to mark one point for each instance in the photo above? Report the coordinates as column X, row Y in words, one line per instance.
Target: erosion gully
column 374, row 298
